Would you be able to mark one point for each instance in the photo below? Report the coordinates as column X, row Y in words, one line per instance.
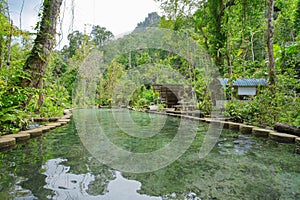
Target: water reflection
column 67, row 185
column 122, row 188
column 57, row 166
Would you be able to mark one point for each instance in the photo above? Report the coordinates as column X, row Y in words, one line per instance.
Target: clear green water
column 58, row 166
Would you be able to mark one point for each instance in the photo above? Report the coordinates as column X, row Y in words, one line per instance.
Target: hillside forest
column 245, row 39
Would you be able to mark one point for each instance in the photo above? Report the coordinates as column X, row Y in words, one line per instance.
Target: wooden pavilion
column 175, row 94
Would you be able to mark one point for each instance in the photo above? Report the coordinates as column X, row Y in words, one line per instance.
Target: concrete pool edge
column 9, row 141
column 244, row 129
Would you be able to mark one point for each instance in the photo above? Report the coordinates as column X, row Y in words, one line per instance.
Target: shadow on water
column 57, row 166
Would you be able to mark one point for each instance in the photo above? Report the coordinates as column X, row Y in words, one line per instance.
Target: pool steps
column 9, row 141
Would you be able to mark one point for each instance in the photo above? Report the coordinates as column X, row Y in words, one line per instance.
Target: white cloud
column 118, row 16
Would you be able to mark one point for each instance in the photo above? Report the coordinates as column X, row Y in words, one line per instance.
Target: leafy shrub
column 266, row 109
column 12, row 118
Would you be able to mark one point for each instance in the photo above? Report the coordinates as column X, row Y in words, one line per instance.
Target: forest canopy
column 245, row 38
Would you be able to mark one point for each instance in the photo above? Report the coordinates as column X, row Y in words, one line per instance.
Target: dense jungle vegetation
column 245, row 38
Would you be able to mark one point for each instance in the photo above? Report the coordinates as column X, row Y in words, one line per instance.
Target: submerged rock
column 240, row 146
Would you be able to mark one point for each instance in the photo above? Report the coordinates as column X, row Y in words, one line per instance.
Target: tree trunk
column 272, row 75
column 8, row 46
column 37, row 62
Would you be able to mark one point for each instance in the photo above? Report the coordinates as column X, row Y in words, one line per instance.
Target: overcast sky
column 118, row 16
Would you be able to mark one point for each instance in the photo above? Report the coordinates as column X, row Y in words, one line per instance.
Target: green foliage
column 58, row 81
column 240, row 111
column 56, row 99
column 142, row 97
column 108, row 81
column 76, row 41
column 12, row 96
column 100, row 35
column 12, row 118
column 265, row 109
column 233, row 32
column 297, row 19
column 289, row 58
column 142, row 68
column 203, row 96
column 285, row 21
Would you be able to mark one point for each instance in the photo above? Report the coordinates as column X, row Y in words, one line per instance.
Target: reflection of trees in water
column 22, row 170
column 21, row 167
column 86, row 171
column 90, row 186
column 86, row 165
column 75, row 186
column 255, row 174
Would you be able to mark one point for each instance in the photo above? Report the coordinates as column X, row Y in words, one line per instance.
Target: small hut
column 245, row 87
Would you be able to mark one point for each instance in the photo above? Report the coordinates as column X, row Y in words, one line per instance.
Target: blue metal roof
column 245, row 82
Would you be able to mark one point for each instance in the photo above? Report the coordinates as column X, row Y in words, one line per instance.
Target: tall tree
column 272, row 74
column 76, row 41
column 100, row 35
column 37, row 61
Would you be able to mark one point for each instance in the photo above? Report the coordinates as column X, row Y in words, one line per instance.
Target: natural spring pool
column 59, row 165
